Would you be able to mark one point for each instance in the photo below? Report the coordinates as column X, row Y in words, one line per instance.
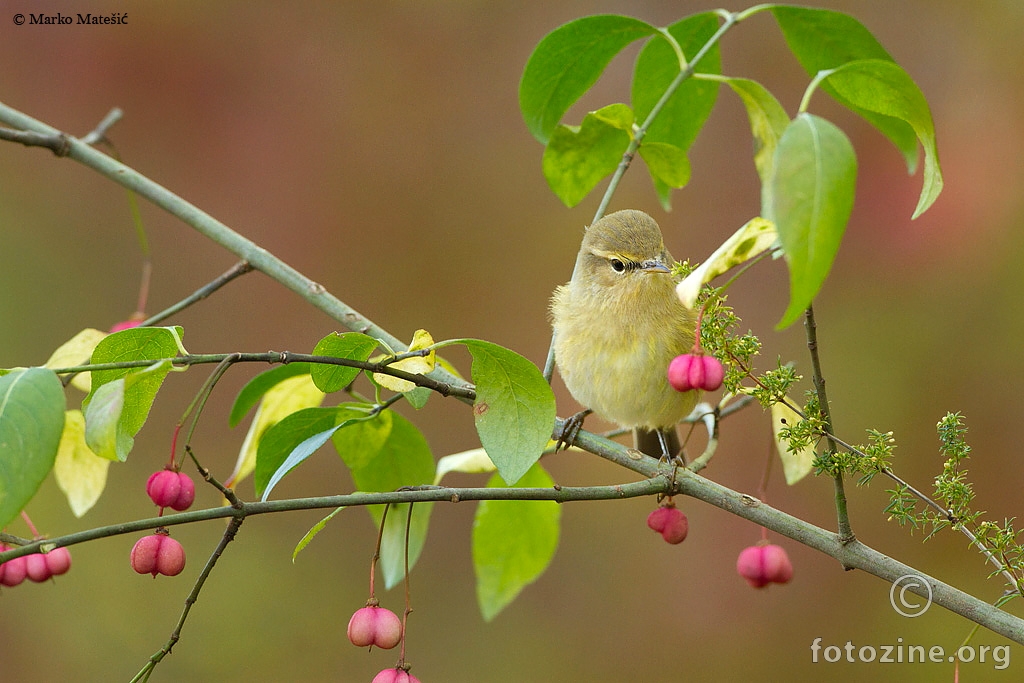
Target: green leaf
column 317, row 528
column 126, row 406
column 768, row 120
column 683, row 115
column 567, row 62
column 884, row 88
column 824, row 39
column 362, row 440
column 809, row 198
column 297, row 457
column 281, row 439
column 514, row 408
column 350, row 345
column 137, row 343
column 513, row 543
column 31, row 423
column 118, row 409
column 255, row 388
column 667, row 163
column 657, row 65
column 577, row 158
column 403, row 459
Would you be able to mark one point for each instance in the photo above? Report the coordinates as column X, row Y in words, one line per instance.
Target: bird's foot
column 570, row 428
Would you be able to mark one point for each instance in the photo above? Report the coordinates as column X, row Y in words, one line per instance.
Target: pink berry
column 764, row 564
column 58, row 561
column 168, row 488
column 35, row 567
column 15, row 571
column 163, row 487
column 690, row 371
column 395, row 676
column 373, row 625
column 186, row 495
column 158, row 554
column 670, row 522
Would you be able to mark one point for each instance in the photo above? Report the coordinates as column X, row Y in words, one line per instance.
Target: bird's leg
column 570, row 428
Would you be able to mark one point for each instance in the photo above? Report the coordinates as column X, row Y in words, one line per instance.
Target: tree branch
column 208, row 226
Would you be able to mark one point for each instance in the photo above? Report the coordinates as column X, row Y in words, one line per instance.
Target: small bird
column 618, row 323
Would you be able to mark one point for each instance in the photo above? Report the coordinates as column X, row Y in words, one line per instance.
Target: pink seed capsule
column 395, row 676
column 58, row 561
column 764, row 564
column 670, row 522
column 35, row 567
column 158, row 554
column 15, row 571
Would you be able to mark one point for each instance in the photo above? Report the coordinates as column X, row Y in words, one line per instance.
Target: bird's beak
column 654, row 266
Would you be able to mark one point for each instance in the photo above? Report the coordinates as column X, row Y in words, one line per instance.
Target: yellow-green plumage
column 618, row 323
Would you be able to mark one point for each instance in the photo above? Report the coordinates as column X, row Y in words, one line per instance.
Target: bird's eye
column 617, row 265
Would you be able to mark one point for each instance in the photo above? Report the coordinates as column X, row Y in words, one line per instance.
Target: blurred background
column 378, row 148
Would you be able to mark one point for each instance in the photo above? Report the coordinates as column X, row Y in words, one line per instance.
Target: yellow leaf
column 756, row 236
column 80, row 473
column 472, row 461
column 77, row 351
column 417, row 365
column 285, row 398
column 795, row 465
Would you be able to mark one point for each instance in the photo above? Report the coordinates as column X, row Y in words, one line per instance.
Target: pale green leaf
column 80, row 473
column 754, row 237
column 404, row 459
column 474, row 461
column 77, row 351
column 578, row 157
column 317, row 528
column 795, row 464
column 667, row 163
column 282, row 398
column 514, row 541
column 884, row 88
column 809, row 198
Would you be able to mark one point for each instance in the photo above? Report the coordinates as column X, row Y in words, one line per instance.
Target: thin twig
column 842, row 514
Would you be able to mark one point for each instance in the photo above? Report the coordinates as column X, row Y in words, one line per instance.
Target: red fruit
column 690, row 371
column 15, row 571
column 187, row 494
column 168, row 488
column 35, row 567
column 395, row 676
column 158, row 554
column 764, row 564
column 58, row 561
column 670, row 522
column 372, row 625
